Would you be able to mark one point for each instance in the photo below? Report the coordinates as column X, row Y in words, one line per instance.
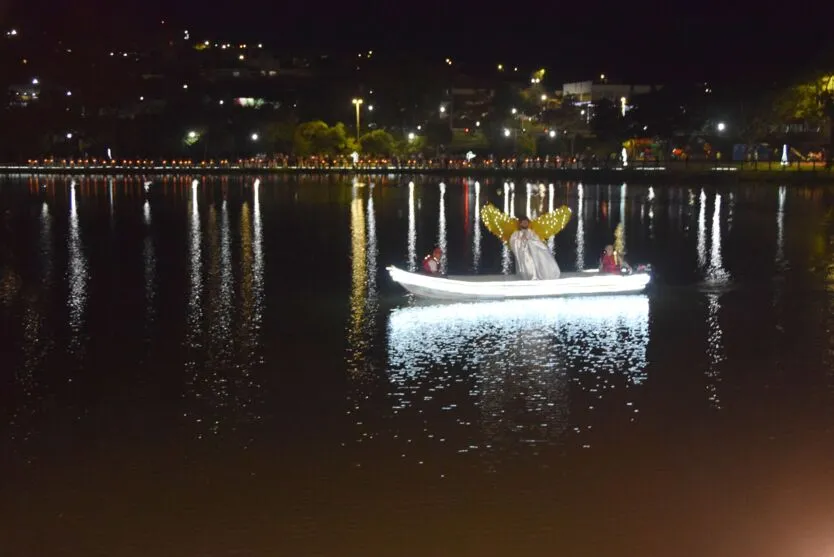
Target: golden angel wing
column 499, row 223
column 550, row 224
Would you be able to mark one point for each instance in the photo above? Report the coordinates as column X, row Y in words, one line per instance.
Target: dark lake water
column 227, row 370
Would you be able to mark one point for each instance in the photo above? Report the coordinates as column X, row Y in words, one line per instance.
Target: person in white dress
column 533, row 259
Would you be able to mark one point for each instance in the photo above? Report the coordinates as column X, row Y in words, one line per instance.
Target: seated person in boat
column 431, row 262
column 533, row 259
column 612, row 262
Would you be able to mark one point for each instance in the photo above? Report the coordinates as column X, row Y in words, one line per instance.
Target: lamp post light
column 254, row 137
column 721, row 126
column 192, row 135
column 411, row 136
column 357, row 103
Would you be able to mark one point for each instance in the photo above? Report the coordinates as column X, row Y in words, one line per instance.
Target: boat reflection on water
column 512, row 367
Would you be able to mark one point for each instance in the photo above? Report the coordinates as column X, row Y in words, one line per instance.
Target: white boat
column 504, row 287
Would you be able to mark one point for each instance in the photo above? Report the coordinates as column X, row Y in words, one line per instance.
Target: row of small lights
column 150, row 162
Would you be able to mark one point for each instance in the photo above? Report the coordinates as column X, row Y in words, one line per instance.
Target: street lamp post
column 357, row 103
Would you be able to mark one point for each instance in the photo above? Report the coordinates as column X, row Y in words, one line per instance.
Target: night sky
column 634, row 41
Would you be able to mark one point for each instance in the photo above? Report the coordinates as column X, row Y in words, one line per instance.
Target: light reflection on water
column 580, row 226
column 512, row 364
column 716, row 272
column 780, row 230
column 77, row 277
column 257, row 273
column 702, row 231
column 412, row 230
column 441, row 229
column 476, row 236
column 149, row 258
column 363, row 298
column 623, row 195
column 509, row 201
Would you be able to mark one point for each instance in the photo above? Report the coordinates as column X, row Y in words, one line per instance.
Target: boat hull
column 502, row 287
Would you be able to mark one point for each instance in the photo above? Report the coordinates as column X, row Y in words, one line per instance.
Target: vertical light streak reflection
column 551, row 242
column 528, row 209
column 505, row 249
column 371, row 258
column 702, row 231
column 37, row 342
column 441, row 226
column 257, row 265
column 715, row 350
column 731, row 211
column 77, row 276
column 194, row 311
column 716, row 271
column 476, row 237
column 149, row 258
column 226, row 287
column 780, row 230
column 580, row 228
column 356, row 346
column 623, row 195
column 110, row 198
column 252, row 302
column 651, row 212
column 412, row 230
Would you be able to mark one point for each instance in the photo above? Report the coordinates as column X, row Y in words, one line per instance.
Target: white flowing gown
column 533, row 260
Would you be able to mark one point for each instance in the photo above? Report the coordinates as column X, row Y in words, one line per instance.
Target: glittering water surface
column 222, row 366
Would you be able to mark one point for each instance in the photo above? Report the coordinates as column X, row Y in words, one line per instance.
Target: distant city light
column 442, row 109
column 206, row 43
column 411, row 136
column 419, row 128
column 185, row 86
column 500, row 67
column 478, row 124
column 12, row 33
column 721, row 126
column 449, row 61
column 514, row 111
column 192, row 134
column 69, row 135
column 260, row 45
column 35, row 81
column 69, row 93
column 371, row 107
column 544, row 98
column 141, row 99
column 254, row 137
column 602, row 76
column 506, row 132
column 552, row 134
column 221, row 102
column 241, row 57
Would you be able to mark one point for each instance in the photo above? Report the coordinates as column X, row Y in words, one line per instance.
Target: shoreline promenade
column 677, row 172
